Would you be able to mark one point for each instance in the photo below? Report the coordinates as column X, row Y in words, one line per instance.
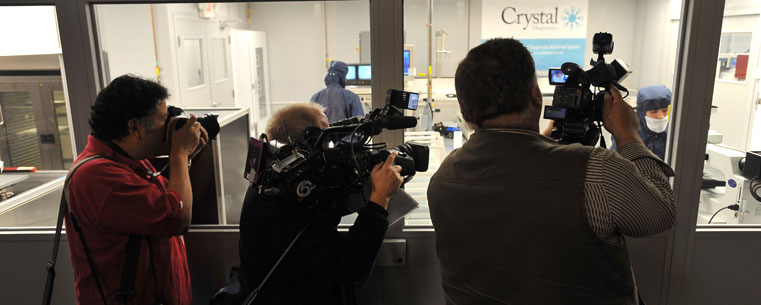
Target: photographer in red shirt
column 119, row 196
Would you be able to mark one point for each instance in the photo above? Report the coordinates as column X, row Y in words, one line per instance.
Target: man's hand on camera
column 547, row 132
column 386, row 180
column 186, row 140
column 619, row 119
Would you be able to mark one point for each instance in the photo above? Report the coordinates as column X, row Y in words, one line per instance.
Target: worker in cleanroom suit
column 653, row 110
column 339, row 103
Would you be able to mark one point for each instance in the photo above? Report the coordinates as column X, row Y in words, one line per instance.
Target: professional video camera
column 577, row 111
column 336, row 160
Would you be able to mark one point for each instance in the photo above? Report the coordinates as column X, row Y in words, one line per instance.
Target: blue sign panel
column 553, row 52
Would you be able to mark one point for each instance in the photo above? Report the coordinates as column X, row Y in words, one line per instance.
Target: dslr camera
column 208, row 121
column 336, row 161
column 576, row 109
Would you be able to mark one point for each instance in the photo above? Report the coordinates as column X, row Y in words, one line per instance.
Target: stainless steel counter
column 38, row 194
column 36, row 201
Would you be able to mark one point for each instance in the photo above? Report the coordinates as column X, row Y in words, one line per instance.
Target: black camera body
column 208, row 121
column 337, row 161
column 576, row 110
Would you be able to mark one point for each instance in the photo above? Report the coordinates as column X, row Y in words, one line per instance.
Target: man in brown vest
column 520, row 219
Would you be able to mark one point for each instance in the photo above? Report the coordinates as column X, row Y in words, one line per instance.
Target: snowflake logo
column 572, row 18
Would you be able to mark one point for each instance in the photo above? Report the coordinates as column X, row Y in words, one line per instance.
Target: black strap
column 127, row 287
column 87, row 254
column 251, row 296
column 156, row 296
column 62, row 211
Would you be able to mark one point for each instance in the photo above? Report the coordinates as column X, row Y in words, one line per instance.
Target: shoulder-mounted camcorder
column 576, row 109
column 336, row 161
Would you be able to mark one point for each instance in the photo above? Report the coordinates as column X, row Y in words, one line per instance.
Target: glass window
column 734, row 53
column 219, row 56
column 731, row 187
column 645, row 35
column 35, row 139
column 192, row 56
column 258, row 56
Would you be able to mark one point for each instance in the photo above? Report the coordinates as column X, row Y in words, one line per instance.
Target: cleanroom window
column 219, row 56
column 645, row 34
column 730, row 192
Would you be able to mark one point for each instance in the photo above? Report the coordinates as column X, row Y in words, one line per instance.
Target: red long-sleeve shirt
column 112, row 200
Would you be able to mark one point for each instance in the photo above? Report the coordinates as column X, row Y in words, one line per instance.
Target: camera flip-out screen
column 402, row 99
column 554, row 113
column 557, row 77
column 413, row 101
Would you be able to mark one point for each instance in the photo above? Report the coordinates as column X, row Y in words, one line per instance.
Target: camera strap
column 126, row 290
column 62, row 211
column 251, row 296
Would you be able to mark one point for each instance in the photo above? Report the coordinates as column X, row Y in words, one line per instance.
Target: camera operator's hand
column 547, row 132
column 186, row 140
column 619, row 119
column 386, row 180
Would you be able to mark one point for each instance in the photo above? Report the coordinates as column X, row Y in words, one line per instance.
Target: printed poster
column 554, row 31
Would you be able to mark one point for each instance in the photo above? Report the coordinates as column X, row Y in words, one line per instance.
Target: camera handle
column 251, row 296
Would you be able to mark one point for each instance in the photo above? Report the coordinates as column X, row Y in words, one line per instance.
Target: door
column 192, row 62
column 260, row 74
column 220, row 66
column 249, row 52
column 30, row 133
column 240, row 42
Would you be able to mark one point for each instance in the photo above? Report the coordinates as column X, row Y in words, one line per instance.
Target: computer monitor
column 351, row 75
column 364, row 74
column 406, row 62
column 409, row 62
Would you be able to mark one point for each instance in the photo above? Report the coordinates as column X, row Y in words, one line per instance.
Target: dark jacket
column 339, row 103
column 508, row 210
column 651, row 98
column 323, row 265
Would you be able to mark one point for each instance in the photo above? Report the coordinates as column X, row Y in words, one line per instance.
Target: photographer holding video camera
column 124, row 220
column 290, row 249
column 522, row 218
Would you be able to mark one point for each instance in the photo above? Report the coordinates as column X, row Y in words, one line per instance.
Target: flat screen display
column 557, row 77
column 554, row 113
column 412, row 105
column 352, row 74
column 363, row 72
column 406, row 62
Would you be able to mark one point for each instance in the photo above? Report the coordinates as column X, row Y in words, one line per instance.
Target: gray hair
column 147, row 121
column 289, row 124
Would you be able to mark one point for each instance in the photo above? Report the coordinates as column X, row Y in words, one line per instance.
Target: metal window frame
column 700, row 30
column 694, row 83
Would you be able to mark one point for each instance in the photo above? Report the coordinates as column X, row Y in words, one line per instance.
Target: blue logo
column 732, row 183
column 572, row 18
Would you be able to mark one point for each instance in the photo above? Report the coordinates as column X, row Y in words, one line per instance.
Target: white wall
column 296, row 33
column 345, row 20
column 295, row 45
column 126, row 34
column 451, row 15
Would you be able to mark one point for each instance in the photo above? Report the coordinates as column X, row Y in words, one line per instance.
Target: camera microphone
column 398, row 122
column 349, row 121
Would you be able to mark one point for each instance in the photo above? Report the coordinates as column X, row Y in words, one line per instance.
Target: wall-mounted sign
column 554, row 31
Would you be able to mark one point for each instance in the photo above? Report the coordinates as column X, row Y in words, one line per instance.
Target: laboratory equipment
column 725, row 185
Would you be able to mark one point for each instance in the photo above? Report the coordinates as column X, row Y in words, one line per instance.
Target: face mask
column 657, row 125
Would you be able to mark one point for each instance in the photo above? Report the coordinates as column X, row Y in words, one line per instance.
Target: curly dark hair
column 126, row 97
column 495, row 78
